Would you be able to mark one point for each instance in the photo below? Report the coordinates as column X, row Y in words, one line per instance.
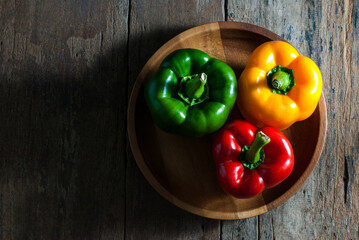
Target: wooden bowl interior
column 182, row 170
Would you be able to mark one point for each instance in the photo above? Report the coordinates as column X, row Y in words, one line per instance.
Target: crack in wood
column 101, row 42
column 126, row 142
column 220, row 229
column 226, row 10
column 346, row 178
column 272, row 225
column 258, row 228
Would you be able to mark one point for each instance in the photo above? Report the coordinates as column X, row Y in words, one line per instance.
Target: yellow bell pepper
column 278, row 86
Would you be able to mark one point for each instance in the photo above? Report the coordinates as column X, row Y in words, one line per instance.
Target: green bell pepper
column 191, row 94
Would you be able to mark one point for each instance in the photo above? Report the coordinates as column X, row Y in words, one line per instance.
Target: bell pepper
column 250, row 160
column 278, row 86
column 191, row 94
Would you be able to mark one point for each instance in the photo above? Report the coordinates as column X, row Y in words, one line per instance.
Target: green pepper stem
column 253, row 153
column 195, row 86
column 280, row 80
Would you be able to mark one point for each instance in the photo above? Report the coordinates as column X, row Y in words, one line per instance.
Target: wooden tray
column 182, row 170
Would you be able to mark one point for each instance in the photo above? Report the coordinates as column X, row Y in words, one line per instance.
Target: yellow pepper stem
column 280, row 80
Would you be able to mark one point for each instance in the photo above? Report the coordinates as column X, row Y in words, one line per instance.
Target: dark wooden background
column 66, row 72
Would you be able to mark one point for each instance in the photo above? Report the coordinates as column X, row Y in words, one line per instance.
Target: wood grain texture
column 63, row 97
column 326, row 31
column 66, row 70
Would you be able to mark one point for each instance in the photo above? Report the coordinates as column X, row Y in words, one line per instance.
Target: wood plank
column 152, row 23
column 63, row 94
column 327, row 32
column 240, row 229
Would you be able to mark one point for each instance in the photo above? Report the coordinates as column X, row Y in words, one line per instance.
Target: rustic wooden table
column 66, row 71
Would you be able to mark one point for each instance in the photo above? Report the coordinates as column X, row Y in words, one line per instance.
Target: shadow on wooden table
column 64, row 150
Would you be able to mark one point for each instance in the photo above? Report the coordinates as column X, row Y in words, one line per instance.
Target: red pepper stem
column 253, row 153
column 195, row 86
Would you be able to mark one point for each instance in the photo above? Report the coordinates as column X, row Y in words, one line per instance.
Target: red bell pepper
column 250, row 160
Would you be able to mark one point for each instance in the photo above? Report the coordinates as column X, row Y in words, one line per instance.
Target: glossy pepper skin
column 233, row 175
column 166, row 94
column 259, row 105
